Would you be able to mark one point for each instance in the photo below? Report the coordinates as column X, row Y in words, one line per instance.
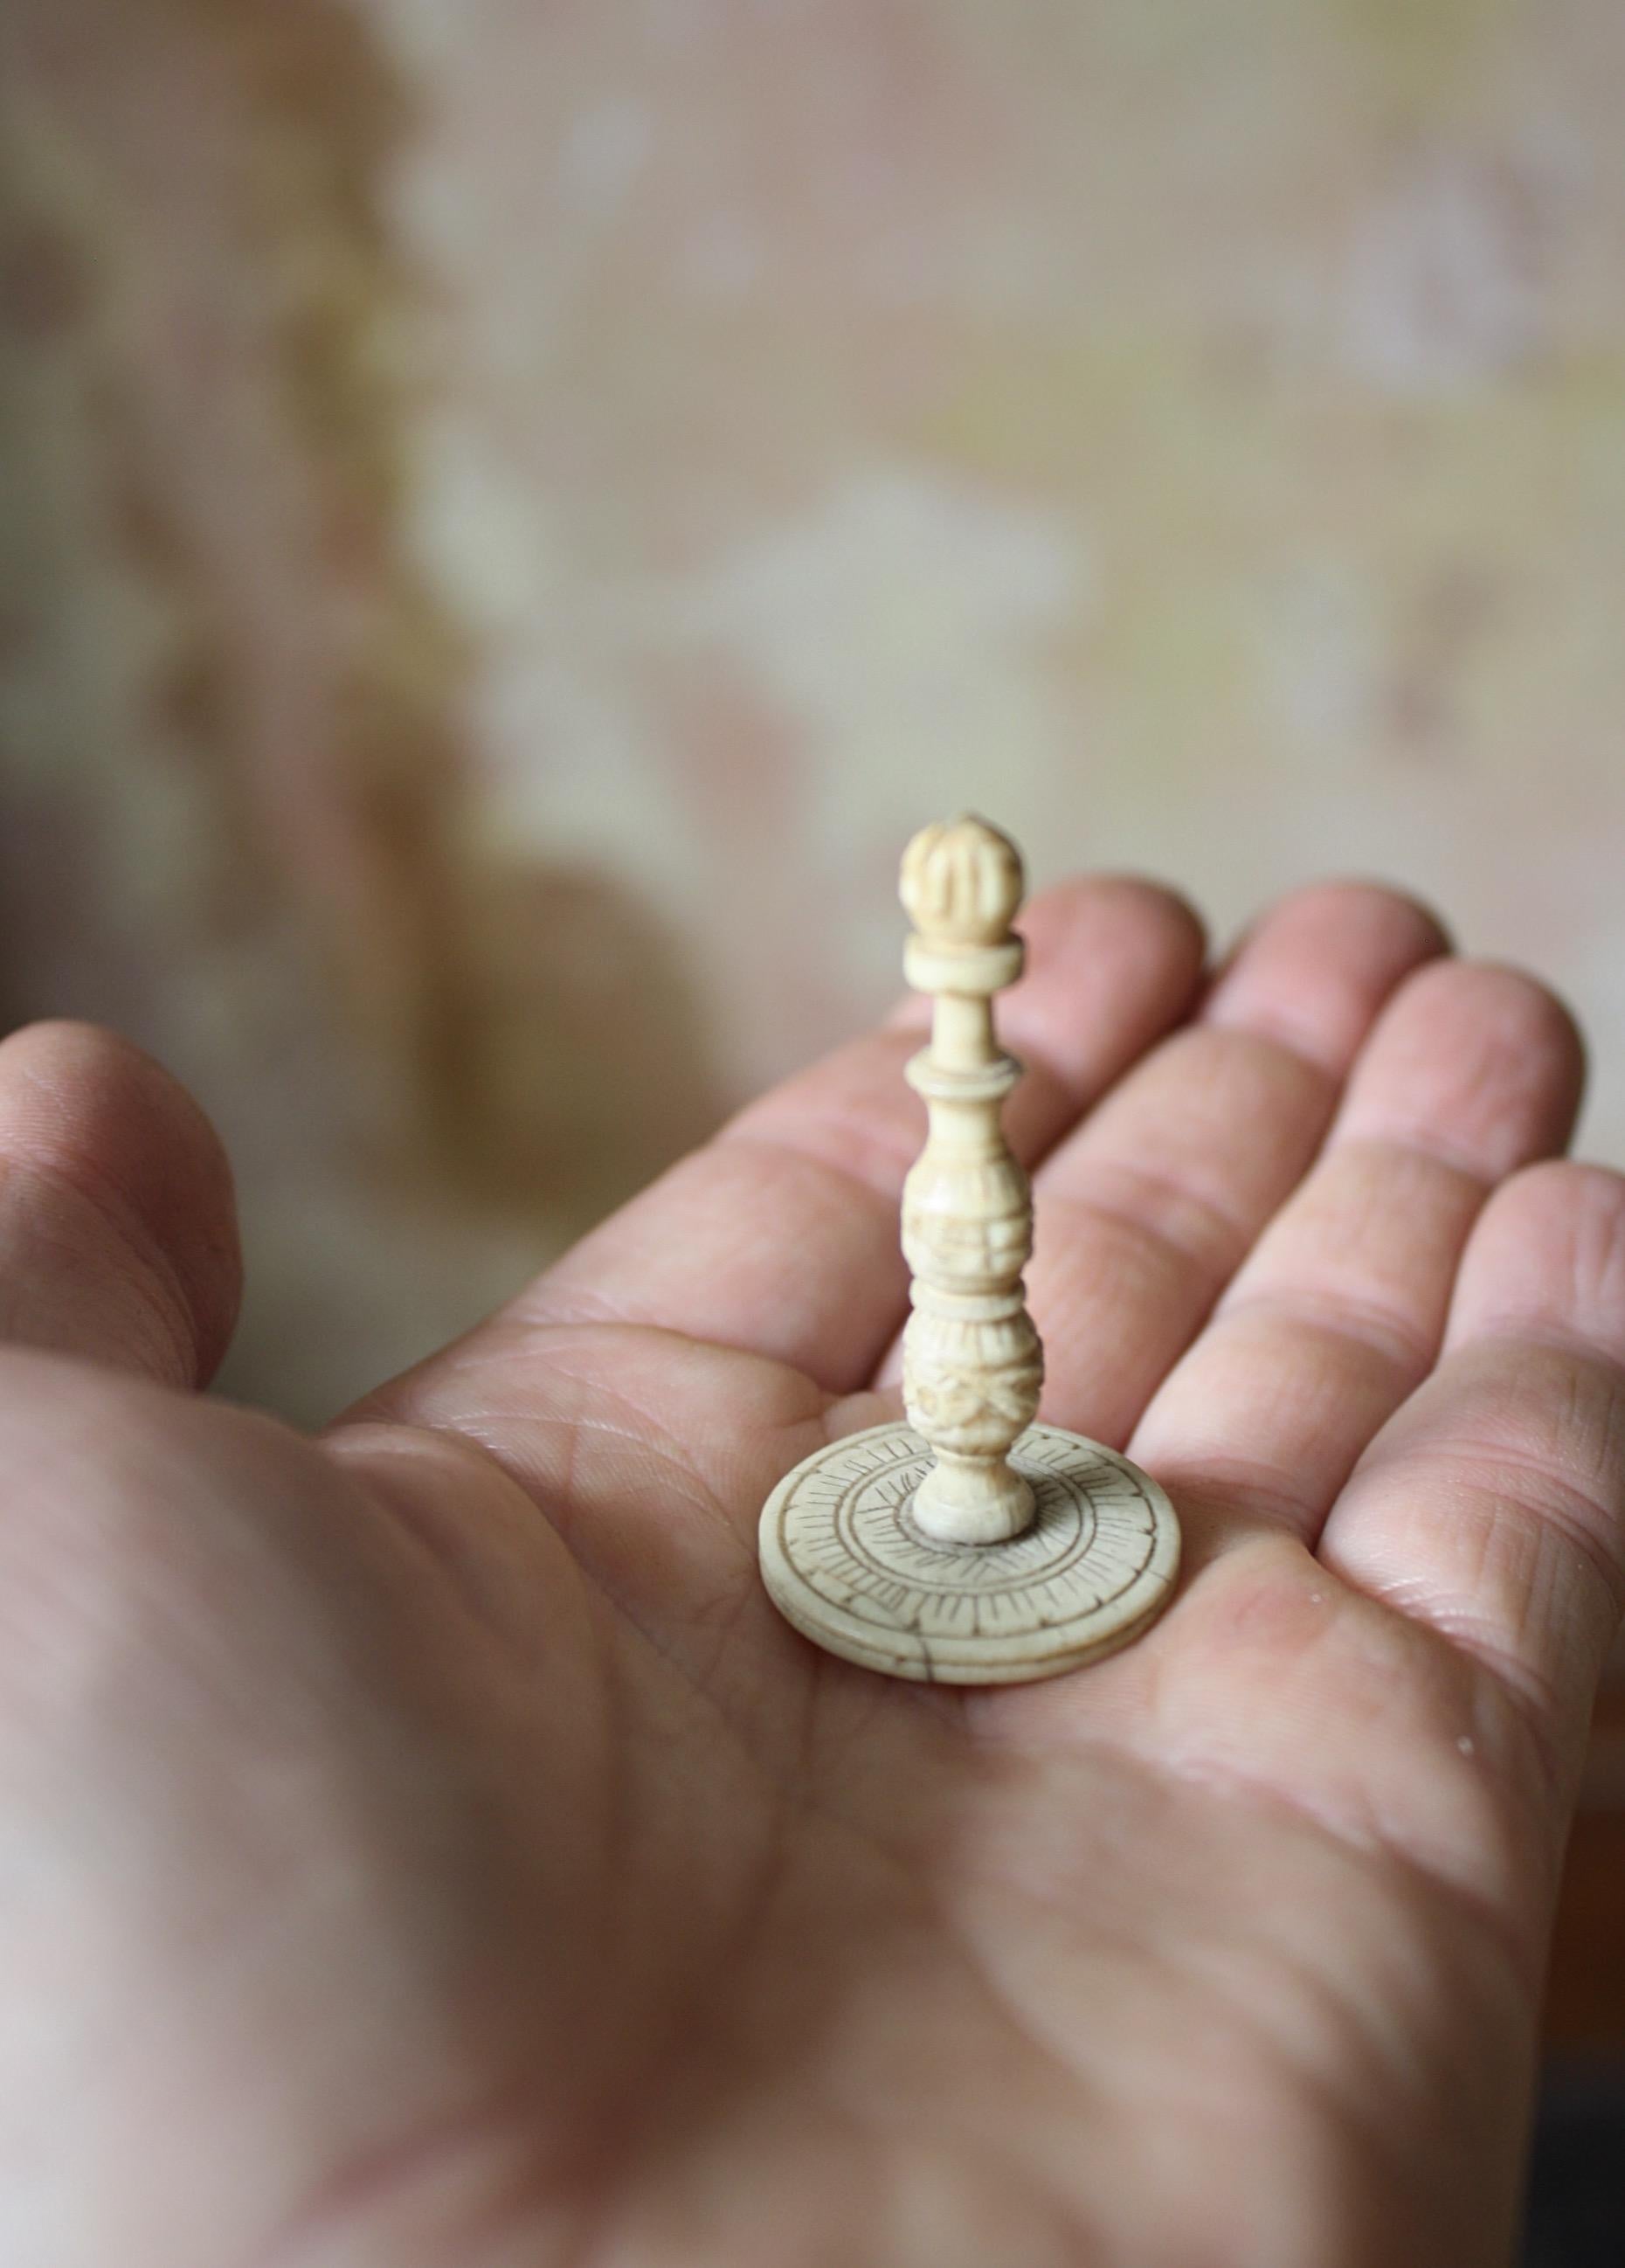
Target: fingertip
column 1312, row 971
column 1546, row 1260
column 1097, row 938
column 1528, row 1013
column 1355, row 904
column 1479, row 1047
column 1147, row 913
column 139, row 1192
column 1128, row 930
column 1541, row 1022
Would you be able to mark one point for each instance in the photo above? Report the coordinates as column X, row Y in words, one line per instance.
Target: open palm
column 426, row 1848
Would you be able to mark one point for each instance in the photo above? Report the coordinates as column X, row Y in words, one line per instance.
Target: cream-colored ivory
column 968, row 1545
column 972, row 1361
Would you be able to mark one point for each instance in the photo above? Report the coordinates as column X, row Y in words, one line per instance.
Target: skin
column 425, row 1847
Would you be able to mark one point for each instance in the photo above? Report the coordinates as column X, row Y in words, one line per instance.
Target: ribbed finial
column 962, row 882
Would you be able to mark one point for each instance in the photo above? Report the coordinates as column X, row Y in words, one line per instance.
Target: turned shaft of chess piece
column 972, row 1363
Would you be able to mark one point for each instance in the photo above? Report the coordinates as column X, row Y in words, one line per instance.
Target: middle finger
column 1145, row 1212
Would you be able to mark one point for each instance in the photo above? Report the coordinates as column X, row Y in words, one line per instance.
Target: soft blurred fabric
column 513, row 513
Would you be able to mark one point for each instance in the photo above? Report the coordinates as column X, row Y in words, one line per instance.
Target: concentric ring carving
column 845, row 1562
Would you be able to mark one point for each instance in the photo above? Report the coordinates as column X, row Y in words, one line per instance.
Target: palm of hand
column 503, row 1888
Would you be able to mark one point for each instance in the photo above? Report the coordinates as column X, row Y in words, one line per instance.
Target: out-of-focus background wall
column 513, row 512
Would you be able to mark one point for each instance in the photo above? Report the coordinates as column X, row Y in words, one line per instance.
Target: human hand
column 426, row 1847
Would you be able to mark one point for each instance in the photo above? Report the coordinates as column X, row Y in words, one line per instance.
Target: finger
column 1492, row 1507
column 1337, row 1315
column 782, row 1234
column 118, row 1231
column 1145, row 1212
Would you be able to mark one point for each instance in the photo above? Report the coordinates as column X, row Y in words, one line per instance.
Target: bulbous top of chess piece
column 962, row 881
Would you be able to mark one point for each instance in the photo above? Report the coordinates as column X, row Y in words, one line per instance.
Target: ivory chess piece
column 968, row 1546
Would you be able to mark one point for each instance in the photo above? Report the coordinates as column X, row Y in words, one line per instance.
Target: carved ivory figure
column 968, row 1545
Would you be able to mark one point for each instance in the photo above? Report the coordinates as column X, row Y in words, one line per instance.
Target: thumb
column 118, row 1229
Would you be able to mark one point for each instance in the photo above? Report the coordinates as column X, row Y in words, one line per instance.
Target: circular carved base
column 845, row 1563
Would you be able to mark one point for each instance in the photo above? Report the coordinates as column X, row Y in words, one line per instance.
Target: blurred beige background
column 513, row 512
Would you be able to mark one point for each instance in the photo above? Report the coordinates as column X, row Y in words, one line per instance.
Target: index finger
column 781, row 1235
